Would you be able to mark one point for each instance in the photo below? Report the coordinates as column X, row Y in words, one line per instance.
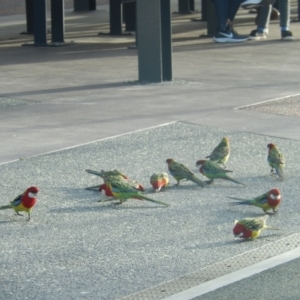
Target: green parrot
column 276, row 160
column 213, row 171
column 180, row 172
column 250, row 228
column 221, row 153
column 123, row 190
column 103, row 174
column 267, row 201
column 159, row 181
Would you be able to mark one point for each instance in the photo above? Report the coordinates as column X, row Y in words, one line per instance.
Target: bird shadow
column 184, row 186
column 210, row 245
column 106, row 207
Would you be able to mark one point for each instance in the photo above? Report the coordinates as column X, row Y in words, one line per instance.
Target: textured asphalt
column 55, row 98
column 279, row 283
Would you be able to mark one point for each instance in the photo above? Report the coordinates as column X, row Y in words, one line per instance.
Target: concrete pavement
column 54, row 98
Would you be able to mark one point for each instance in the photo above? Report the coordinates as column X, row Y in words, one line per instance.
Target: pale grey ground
column 289, row 106
column 82, row 249
column 279, row 283
column 84, row 92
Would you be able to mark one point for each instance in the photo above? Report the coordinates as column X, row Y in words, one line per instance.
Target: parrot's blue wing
column 17, row 200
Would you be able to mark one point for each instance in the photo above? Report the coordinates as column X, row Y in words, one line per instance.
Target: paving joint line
column 219, row 269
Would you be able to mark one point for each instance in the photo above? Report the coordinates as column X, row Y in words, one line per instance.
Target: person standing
column 225, row 13
column 284, row 7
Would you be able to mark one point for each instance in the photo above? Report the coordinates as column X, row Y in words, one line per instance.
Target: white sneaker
column 249, row 4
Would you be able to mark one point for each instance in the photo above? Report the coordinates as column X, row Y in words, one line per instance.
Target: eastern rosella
column 221, row 153
column 276, row 160
column 267, row 201
column 250, row 228
column 180, row 172
column 213, row 171
column 24, row 202
column 105, row 189
column 159, row 181
column 123, row 191
column 103, row 174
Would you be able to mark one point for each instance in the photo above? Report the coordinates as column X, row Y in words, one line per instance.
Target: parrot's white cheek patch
column 275, row 197
column 31, row 195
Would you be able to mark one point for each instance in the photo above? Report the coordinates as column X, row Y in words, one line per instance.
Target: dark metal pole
column 166, row 40
column 115, row 17
column 204, row 10
column 149, row 40
column 129, row 13
column 29, row 16
column 211, row 19
column 39, row 24
column 57, row 21
column 92, row 5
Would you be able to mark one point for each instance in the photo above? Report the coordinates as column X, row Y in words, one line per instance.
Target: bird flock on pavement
column 117, row 185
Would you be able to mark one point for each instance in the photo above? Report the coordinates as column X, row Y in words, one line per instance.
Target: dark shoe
column 286, row 35
column 257, row 35
column 229, row 36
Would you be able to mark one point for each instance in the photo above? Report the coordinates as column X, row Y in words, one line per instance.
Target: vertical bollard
column 57, row 21
column 39, row 22
column 149, row 40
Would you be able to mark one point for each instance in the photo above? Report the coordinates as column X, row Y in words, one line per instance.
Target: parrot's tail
column 279, row 171
column 95, row 172
column 6, row 206
column 152, row 200
column 93, row 188
column 197, row 180
column 240, row 201
column 270, row 227
column 234, row 180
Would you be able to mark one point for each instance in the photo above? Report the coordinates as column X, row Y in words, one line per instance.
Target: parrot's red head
column 275, row 193
column 271, row 146
column 239, row 230
column 169, row 160
column 32, row 191
column 274, row 197
column 104, row 189
column 200, row 162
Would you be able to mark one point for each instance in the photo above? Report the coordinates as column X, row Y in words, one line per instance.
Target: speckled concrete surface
column 274, row 284
column 287, row 106
column 77, row 248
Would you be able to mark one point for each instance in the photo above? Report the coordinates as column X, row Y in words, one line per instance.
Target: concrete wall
column 15, row 7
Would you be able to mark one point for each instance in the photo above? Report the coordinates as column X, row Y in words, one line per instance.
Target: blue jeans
column 284, row 7
column 226, row 10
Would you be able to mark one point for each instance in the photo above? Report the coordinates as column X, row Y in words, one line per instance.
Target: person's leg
column 262, row 23
column 285, row 9
column 224, row 33
column 234, row 5
column 264, row 18
column 221, row 8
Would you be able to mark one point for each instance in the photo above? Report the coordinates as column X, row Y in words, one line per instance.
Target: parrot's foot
column 209, row 181
column 29, row 217
column 105, row 199
column 19, row 214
